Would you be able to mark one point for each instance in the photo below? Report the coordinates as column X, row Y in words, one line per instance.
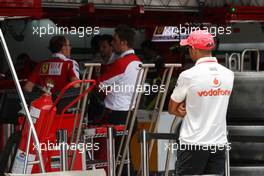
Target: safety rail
column 103, row 135
column 243, row 58
column 145, row 137
column 111, row 162
column 237, row 62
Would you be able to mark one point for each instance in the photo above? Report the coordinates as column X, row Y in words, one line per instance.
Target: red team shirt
column 57, row 70
column 120, row 74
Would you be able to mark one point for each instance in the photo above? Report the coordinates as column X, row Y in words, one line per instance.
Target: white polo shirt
column 120, row 81
column 206, row 88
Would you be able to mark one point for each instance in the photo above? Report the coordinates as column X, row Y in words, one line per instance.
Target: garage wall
column 250, row 35
column 20, row 38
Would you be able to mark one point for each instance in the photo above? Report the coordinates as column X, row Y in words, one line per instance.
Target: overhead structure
column 139, row 13
column 156, row 4
column 25, row 8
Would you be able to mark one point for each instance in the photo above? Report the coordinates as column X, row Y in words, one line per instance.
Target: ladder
column 81, row 107
column 166, row 77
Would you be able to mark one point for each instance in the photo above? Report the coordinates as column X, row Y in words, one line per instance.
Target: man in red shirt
column 58, row 70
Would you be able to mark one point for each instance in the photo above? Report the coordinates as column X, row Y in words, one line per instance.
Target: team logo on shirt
column 44, row 68
column 215, row 91
column 216, row 82
column 51, row 68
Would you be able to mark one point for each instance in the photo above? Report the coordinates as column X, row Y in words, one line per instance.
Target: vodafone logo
column 214, row 92
column 216, row 82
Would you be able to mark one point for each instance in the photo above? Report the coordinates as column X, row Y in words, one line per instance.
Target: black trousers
column 116, row 117
column 197, row 160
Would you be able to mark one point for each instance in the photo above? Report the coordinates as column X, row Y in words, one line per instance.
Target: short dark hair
column 56, row 43
column 23, row 56
column 95, row 43
column 106, row 37
column 148, row 44
column 126, row 33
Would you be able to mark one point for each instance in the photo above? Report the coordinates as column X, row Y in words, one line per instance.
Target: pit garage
column 86, row 119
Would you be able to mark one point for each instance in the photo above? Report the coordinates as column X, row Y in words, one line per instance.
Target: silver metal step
column 247, row 170
column 245, row 130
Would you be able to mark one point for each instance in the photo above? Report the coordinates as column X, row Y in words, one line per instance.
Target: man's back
column 209, row 88
column 57, row 71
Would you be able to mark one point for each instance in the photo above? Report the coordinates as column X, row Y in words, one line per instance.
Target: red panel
column 31, row 8
column 241, row 13
column 16, row 3
column 249, row 9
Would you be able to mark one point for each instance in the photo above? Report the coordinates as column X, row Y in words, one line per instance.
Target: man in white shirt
column 201, row 97
column 119, row 80
column 120, row 76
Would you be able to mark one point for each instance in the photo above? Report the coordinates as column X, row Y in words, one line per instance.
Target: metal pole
column 127, row 119
column 84, row 160
column 27, row 151
column 175, row 125
column 156, row 118
column 139, row 81
column 144, row 154
column 127, row 142
column 226, row 59
column 227, row 164
column 22, row 98
column 237, row 63
column 128, row 162
column 227, row 161
column 171, row 68
column 78, row 108
column 128, row 116
column 154, row 114
column 62, row 141
column 243, row 58
column 110, row 152
column 156, row 108
column 83, row 110
column 9, row 131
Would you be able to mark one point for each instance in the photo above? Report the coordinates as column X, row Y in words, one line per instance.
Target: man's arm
column 177, row 109
column 75, row 79
column 33, row 79
column 74, row 73
column 28, row 87
column 177, row 100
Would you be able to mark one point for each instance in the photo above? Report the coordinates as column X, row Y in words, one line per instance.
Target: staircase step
column 247, row 170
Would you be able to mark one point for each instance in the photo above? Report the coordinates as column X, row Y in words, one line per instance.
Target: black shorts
column 198, row 160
